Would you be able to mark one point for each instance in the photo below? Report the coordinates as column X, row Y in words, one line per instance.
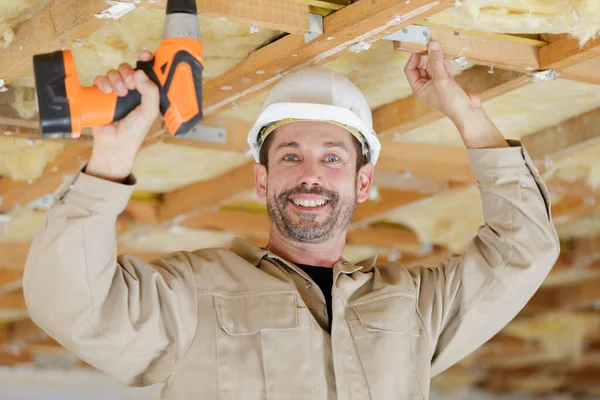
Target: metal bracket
column 412, row 34
column 315, row 27
column 206, row 133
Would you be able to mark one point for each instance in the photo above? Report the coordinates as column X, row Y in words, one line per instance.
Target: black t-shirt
column 324, row 278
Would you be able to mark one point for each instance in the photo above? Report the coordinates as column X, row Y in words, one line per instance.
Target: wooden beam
column 364, row 21
column 502, row 51
column 385, row 237
column 243, row 223
column 566, row 52
column 570, row 136
column 569, row 297
column 281, row 15
column 22, row 192
column 236, row 135
column 13, row 255
column 211, row 193
column 408, row 113
column 52, row 28
column 425, row 159
column 587, row 71
column 388, row 200
column 12, row 300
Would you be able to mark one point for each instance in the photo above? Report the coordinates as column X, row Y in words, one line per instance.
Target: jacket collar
column 253, row 254
column 249, row 252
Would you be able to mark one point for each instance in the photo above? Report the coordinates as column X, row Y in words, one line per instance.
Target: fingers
column 127, row 75
column 436, row 61
column 412, row 70
column 103, row 84
column 149, row 92
column 117, row 82
column 146, row 55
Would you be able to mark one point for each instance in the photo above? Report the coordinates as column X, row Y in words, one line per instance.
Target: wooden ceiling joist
column 69, row 161
column 408, row 113
column 282, row 15
column 565, row 139
column 57, row 24
column 566, row 52
column 502, row 51
column 351, row 28
column 204, row 195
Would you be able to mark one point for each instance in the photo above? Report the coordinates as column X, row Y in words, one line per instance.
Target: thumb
column 436, row 58
column 149, row 92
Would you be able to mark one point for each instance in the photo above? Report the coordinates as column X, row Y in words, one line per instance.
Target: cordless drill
column 66, row 107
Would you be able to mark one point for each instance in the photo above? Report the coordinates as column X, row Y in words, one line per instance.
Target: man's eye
column 290, row 157
column 332, row 158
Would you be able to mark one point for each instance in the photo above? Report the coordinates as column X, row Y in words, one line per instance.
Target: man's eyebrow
column 282, row 145
column 335, row 144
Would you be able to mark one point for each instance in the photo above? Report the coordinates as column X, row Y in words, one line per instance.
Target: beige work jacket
column 242, row 323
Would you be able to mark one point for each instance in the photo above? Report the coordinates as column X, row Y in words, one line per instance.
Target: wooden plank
column 566, row 52
column 502, row 51
column 21, row 192
column 425, row 159
column 385, row 237
column 568, row 297
column 587, row 71
column 202, row 195
column 10, row 280
column 236, row 135
column 408, row 113
column 388, row 200
column 570, row 136
column 364, row 21
column 13, row 255
column 240, row 222
column 55, row 25
column 12, row 300
column 281, row 15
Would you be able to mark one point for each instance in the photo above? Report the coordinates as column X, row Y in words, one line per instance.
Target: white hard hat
column 316, row 94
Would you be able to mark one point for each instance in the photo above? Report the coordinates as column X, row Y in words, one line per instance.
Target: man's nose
column 311, row 174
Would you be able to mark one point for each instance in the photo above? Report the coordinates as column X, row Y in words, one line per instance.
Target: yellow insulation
column 523, row 111
column 163, row 167
column 451, row 218
column 561, row 334
column 175, row 238
column 584, row 164
column 580, row 18
column 22, row 159
column 13, row 12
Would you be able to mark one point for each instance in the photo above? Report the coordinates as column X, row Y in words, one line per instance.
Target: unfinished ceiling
column 425, row 205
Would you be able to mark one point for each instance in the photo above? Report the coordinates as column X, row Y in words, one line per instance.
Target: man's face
column 312, row 186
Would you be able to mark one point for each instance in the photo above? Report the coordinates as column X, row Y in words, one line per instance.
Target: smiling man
column 294, row 320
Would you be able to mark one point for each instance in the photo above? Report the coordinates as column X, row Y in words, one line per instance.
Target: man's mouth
column 304, row 203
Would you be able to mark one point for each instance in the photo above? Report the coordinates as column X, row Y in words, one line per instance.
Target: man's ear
column 364, row 180
column 260, row 181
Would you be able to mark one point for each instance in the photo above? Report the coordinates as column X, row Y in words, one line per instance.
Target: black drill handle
column 129, row 102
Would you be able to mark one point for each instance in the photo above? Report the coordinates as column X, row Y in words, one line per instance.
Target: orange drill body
column 66, row 107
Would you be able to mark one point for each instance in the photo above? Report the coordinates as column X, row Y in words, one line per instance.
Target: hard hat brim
column 311, row 112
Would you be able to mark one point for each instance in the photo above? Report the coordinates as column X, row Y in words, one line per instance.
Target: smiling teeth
column 309, row 203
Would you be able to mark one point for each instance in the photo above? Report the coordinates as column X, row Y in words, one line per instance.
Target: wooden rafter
column 502, row 51
column 566, row 52
column 361, row 22
column 408, row 113
column 69, row 161
column 58, row 23
column 282, row 15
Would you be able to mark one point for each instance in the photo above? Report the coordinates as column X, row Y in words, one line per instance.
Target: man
column 294, row 320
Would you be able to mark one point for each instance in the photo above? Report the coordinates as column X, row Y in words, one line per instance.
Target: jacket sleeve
column 131, row 319
column 467, row 299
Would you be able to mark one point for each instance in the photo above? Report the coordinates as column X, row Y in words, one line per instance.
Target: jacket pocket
column 384, row 335
column 263, row 347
